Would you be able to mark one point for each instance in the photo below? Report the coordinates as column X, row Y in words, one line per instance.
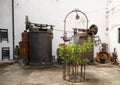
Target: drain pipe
column 13, row 31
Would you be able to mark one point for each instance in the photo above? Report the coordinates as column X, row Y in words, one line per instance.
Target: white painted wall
column 6, row 23
column 54, row 11
column 114, row 24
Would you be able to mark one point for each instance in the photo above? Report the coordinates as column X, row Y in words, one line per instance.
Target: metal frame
column 73, row 72
column 76, row 10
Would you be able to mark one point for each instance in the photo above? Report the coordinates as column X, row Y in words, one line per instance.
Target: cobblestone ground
column 100, row 74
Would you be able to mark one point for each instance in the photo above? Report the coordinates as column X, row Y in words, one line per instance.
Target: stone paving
column 100, row 74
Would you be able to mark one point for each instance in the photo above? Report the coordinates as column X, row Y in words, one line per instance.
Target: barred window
column 5, row 53
column 3, row 35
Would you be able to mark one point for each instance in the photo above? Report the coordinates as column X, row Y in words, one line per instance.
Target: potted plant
column 72, row 55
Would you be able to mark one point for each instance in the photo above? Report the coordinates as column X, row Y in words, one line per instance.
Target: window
column 3, row 35
column 5, row 53
column 118, row 35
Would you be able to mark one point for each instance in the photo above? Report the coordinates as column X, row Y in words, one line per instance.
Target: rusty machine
column 76, row 73
column 36, row 44
column 103, row 56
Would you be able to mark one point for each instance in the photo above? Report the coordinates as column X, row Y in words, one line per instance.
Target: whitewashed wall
column 6, row 23
column 114, row 24
column 54, row 11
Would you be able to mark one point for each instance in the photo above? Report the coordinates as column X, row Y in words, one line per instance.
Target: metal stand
column 73, row 72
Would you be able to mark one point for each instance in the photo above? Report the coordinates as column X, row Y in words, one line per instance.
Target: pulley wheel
column 93, row 30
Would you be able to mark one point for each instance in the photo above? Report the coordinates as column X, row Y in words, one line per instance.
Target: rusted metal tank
column 89, row 54
column 40, row 47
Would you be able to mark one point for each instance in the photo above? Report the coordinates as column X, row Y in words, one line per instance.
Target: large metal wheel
column 93, row 30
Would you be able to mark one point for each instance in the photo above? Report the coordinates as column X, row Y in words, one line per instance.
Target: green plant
column 72, row 52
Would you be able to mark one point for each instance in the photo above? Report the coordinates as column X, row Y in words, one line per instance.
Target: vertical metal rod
column 75, row 68
column 81, row 72
column 13, row 26
column 69, row 65
column 69, row 72
column 64, row 26
column 64, row 71
column 84, row 71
